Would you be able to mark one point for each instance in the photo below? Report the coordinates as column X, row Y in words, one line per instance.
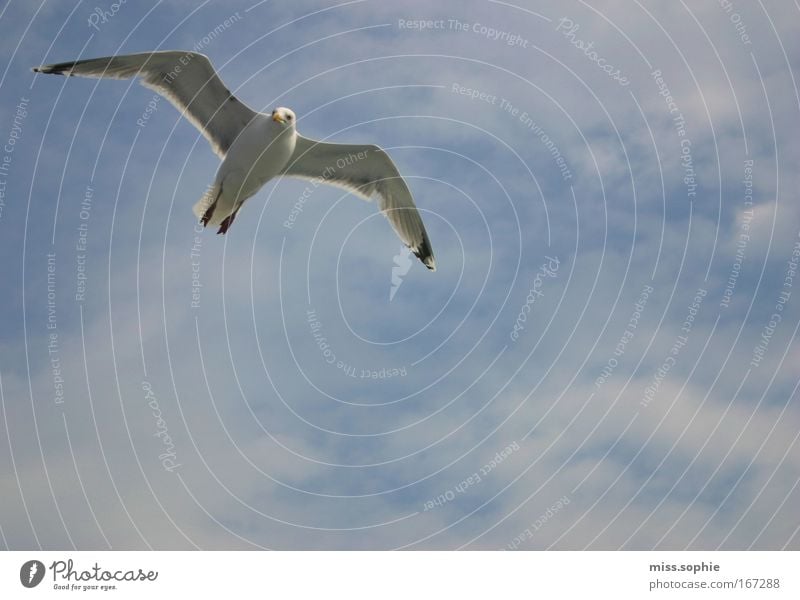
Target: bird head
column 284, row 116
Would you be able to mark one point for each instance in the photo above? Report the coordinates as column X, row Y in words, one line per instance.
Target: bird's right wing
column 186, row 79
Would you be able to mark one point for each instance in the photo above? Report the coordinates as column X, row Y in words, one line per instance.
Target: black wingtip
column 425, row 254
column 56, row 69
column 48, row 70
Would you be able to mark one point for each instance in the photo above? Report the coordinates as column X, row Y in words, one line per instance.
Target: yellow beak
column 278, row 118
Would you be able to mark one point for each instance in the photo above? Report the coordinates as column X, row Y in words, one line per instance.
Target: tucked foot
column 208, row 214
column 227, row 222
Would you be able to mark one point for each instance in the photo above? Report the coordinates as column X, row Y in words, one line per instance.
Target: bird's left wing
column 186, row 79
column 368, row 171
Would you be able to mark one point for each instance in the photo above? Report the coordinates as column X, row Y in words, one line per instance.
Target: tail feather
column 206, row 201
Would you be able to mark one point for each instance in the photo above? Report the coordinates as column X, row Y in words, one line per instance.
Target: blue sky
column 550, row 389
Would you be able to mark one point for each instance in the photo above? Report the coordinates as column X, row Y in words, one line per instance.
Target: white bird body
column 259, row 153
column 256, row 147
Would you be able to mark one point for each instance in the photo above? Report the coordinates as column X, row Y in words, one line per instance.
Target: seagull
column 255, row 147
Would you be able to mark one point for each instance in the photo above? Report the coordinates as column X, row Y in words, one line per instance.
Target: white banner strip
column 403, row 575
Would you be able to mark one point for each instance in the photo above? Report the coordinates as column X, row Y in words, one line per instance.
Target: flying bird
column 256, row 147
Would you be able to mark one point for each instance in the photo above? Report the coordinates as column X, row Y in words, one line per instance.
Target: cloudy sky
column 606, row 357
